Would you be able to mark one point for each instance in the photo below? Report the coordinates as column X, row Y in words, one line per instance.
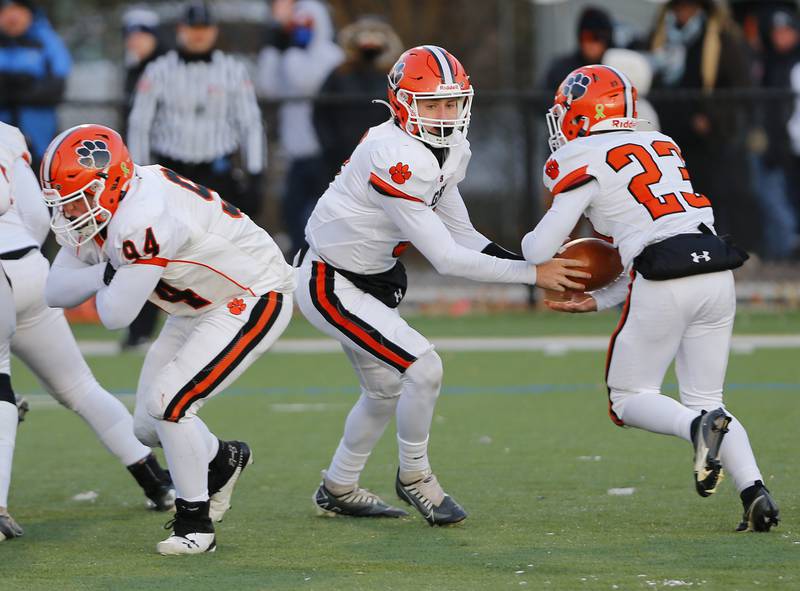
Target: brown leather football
column 601, row 257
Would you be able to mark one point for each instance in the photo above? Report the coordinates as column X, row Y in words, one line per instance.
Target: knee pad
column 163, row 390
column 426, row 373
column 144, row 428
column 6, row 392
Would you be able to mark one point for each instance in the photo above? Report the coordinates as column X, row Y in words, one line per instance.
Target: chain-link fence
column 737, row 145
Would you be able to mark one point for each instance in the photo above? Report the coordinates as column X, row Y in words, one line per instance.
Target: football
column 601, row 258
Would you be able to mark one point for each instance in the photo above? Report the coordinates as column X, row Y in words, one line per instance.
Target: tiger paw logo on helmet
column 397, row 73
column 400, row 173
column 576, row 86
column 93, row 154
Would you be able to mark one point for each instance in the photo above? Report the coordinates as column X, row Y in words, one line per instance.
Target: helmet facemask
column 555, row 115
column 83, row 228
column 439, row 133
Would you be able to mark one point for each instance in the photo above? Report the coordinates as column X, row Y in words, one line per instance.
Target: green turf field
column 522, row 440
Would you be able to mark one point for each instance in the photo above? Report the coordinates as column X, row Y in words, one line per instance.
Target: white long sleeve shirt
column 393, row 191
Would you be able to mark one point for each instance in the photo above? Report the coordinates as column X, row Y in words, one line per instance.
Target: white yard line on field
column 554, row 345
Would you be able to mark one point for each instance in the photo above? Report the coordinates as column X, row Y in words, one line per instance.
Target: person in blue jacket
column 34, row 64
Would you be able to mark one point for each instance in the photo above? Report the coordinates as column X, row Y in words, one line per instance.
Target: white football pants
column 399, row 372
column 45, row 343
column 689, row 320
column 193, row 359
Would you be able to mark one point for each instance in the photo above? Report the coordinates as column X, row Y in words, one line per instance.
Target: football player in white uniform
column 400, row 187
column 43, row 340
column 9, row 528
column 131, row 233
column 634, row 187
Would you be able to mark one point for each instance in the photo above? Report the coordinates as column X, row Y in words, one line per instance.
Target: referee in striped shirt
column 194, row 108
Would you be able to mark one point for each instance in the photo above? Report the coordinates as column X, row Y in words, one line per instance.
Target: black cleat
column 8, row 527
column 22, row 407
column 427, row 496
column 162, row 498
column 155, row 482
column 708, row 431
column 358, row 502
column 760, row 510
column 223, row 472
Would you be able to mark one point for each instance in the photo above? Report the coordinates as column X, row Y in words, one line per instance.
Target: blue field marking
column 507, row 390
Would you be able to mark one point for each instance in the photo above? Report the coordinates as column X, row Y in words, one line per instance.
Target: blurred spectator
column 192, row 109
column 595, row 33
column 142, row 46
column 34, row 64
column 699, row 47
column 298, row 57
column 776, row 165
column 371, row 47
column 638, row 70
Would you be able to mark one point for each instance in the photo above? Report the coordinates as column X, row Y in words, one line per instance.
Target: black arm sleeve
column 495, row 250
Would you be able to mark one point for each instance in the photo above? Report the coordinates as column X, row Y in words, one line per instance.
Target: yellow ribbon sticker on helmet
column 599, row 111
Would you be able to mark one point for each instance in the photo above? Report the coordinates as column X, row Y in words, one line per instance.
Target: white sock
column 112, row 423
column 186, row 450
column 8, row 434
column 212, row 443
column 656, row 413
column 345, row 469
column 366, row 423
column 421, row 384
column 413, row 456
column 737, row 456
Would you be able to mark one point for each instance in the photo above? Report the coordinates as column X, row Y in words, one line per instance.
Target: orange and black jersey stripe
column 356, row 329
column 622, row 320
column 261, row 320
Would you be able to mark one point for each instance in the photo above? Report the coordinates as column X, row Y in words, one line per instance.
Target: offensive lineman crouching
column 131, row 233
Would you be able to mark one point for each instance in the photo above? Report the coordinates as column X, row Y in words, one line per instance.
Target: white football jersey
column 348, row 227
column 645, row 194
column 27, row 222
column 210, row 251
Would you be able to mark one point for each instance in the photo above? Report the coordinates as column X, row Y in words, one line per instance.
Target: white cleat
column 190, row 543
column 192, row 530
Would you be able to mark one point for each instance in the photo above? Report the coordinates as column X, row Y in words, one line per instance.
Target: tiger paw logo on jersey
column 237, row 306
column 576, row 86
column 551, row 169
column 93, row 154
column 400, row 173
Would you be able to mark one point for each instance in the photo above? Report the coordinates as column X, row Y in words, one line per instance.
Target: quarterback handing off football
column 601, row 259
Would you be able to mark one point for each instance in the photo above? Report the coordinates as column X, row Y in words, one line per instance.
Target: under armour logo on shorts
column 696, row 258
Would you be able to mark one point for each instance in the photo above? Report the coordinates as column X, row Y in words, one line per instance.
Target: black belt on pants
column 14, row 255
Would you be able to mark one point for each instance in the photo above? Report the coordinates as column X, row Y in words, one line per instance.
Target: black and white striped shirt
column 196, row 111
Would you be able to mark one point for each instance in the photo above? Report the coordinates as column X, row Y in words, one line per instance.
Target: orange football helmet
column 591, row 99
column 430, row 72
column 89, row 163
